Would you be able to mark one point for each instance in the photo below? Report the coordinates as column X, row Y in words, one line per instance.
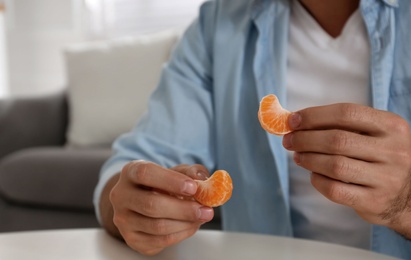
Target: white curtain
column 111, row 18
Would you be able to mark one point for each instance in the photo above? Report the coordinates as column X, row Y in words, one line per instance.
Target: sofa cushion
column 21, row 218
column 32, row 121
column 109, row 83
column 52, row 176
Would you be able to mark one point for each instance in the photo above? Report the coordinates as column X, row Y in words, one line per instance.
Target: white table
column 93, row 244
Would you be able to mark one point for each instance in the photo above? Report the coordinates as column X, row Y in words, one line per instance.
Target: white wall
column 119, row 17
column 37, row 32
column 3, row 57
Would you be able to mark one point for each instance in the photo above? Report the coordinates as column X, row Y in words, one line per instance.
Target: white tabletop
column 93, row 244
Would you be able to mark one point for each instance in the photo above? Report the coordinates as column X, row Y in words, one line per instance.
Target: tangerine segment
column 216, row 190
column 272, row 116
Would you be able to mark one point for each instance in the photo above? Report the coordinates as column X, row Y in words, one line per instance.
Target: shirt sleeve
column 178, row 126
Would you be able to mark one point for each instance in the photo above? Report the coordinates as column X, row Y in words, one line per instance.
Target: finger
column 154, row 176
column 166, row 226
column 151, row 244
column 351, row 195
column 336, row 142
column 346, row 116
column 159, row 205
column 161, row 226
column 196, row 171
column 339, row 168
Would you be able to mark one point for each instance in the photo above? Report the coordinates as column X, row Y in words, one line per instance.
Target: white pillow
column 109, row 83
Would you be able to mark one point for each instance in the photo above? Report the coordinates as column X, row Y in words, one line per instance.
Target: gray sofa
column 43, row 183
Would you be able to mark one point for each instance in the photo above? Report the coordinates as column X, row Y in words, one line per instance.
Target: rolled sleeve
column 178, row 126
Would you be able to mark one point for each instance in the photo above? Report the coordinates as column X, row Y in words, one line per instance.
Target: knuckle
column 180, row 167
column 339, row 167
column 344, row 171
column 149, row 207
column 113, row 195
column 339, row 141
column 167, row 240
column 191, row 170
column 119, row 220
column 132, row 165
column 141, row 172
column 150, row 252
column 333, row 192
column 199, row 167
column 350, row 199
column 399, row 125
column 199, row 170
column 130, row 239
column 141, row 247
column 126, row 169
column 159, row 226
column 403, row 156
column 348, row 112
column 341, row 195
column 139, row 244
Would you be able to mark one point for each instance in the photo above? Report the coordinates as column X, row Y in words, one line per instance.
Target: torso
column 324, row 70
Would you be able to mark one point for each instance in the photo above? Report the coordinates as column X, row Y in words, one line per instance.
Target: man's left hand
column 359, row 157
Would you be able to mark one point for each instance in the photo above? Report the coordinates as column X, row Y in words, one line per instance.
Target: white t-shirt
column 324, row 70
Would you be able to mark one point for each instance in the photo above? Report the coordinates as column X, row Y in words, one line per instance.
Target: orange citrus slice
column 216, row 190
column 272, row 116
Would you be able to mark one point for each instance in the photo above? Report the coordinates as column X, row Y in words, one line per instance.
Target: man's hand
column 359, row 157
column 148, row 205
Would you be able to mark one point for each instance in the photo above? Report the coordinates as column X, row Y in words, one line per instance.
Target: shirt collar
column 392, row 3
column 260, row 4
column 260, row 7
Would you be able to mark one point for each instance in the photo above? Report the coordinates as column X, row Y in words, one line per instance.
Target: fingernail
column 201, row 176
column 205, row 213
column 297, row 158
column 294, row 120
column 189, row 188
column 287, row 141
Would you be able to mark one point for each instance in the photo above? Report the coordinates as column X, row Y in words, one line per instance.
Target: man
column 203, row 116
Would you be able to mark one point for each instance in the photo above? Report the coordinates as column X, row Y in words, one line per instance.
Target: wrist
column 402, row 225
column 106, row 209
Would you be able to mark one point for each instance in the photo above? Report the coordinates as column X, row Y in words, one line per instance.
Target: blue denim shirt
column 205, row 107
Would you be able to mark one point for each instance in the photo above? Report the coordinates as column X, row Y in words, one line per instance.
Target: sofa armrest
column 32, row 121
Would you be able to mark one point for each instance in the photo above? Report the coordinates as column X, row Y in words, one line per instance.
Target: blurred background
column 33, row 33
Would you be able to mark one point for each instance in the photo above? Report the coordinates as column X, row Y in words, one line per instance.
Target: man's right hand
column 147, row 205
